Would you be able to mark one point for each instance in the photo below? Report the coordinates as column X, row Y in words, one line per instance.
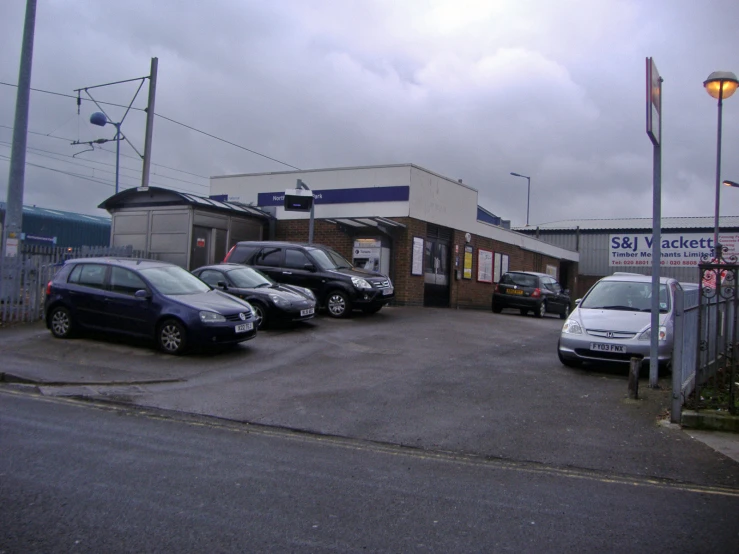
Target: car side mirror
column 222, row 285
column 309, row 267
column 142, row 293
column 577, row 302
column 566, row 292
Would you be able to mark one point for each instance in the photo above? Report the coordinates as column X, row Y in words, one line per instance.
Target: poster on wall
column 496, row 270
column 467, row 262
column 417, row 256
column 485, row 266
column 552, row 271
column 504, row 264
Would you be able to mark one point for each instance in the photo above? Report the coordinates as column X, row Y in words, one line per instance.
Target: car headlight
column 572, row 327
column 360, row 283
column 279, row 301
column 211, row 317
column 647, row 334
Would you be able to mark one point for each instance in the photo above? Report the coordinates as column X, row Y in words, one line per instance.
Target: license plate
column 515, row 291
column 309, row 311
column 600, row 347
column 387, row 291
column 244, row 327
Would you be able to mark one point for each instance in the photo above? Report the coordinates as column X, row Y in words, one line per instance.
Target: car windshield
column 173, row 280
column 248, row 278
column 625, row 295
column 329, row 259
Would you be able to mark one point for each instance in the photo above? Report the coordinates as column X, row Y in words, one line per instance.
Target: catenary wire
column 167, row 119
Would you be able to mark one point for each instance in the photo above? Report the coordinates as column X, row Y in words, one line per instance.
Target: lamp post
column 528, row 194
column 100, row 119
column 731, row 184
column 720, row 85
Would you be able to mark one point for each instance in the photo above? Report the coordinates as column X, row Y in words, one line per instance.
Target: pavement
column 445, row 380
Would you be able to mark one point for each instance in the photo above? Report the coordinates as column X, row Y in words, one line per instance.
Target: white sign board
column 677, row 249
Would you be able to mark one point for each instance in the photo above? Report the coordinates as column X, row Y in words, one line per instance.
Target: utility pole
column 17, row 174
column 149, row 122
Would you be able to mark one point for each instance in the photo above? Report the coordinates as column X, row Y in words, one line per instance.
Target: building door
column 219, row 248
column 437, row 266
column 200, row 250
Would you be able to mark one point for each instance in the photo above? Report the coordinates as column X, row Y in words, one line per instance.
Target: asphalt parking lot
column 437, row 379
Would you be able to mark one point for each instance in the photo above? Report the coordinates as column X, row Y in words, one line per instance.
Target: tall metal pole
column 656, row 253
column 716, row 245
column 117, row 153
column 149, row 122
column 16, row 176
column 528, row 200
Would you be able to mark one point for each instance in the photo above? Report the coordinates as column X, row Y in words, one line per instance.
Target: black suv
column 338, row 286
column 530, row 291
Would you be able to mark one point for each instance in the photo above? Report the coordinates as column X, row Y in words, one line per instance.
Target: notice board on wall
column 467, row 262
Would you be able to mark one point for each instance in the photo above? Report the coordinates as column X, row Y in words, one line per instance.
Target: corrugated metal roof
column 633, row 223
column 61, row 215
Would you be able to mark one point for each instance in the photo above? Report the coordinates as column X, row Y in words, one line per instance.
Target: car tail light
column 229, row 254
column 48, row 288
column 536, row 293
column 497, row 288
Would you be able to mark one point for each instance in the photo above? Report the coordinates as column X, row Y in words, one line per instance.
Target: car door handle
column 287, row 272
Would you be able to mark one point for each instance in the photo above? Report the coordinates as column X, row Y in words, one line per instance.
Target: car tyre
column 172, row 337
column 260, row 313
column 338, row 304
column 565, row 313
column 371, row 309
column 60, row 323
column 496, row 308
column 541, row 309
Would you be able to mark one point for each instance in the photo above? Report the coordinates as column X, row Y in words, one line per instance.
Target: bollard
column 634, row 368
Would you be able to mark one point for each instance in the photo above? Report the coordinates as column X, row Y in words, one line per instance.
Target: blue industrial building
column 45, row 226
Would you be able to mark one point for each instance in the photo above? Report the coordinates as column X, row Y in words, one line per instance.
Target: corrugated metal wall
column 595, row 256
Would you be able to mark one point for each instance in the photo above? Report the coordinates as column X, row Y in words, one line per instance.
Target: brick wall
column 409, row 289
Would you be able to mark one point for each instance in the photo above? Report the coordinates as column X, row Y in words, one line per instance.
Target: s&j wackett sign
column 677, row 249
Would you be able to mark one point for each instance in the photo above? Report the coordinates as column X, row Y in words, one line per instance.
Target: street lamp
column 528, row 194
column 720, row 85
column 100, row 119
column 731, row 184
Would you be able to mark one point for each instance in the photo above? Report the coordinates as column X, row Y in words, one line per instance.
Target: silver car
column 612, row 322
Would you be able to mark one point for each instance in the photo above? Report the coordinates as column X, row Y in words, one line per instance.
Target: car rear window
column 242, row 254
column 520, row 279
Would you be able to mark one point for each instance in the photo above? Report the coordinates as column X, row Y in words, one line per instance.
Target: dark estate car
column 338, row 286
column 530, row 291
column 144, row 298
column 271, row 301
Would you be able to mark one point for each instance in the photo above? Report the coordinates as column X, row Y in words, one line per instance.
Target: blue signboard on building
column 343, row 196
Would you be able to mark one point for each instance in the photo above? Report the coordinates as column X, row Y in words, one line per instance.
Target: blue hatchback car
column 144, row 298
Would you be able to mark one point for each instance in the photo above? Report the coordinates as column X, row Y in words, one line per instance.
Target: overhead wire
column 33, row 150
column 113, row 152
column 167, row 119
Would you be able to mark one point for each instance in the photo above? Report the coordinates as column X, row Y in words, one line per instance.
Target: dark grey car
column 528, row 291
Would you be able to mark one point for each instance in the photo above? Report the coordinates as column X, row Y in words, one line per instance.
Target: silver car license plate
column 244, row 327
column 600, row 347
column 309, row 311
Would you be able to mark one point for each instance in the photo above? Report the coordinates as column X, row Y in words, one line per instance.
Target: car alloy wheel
column 61, row 323
column 259, row 315
column 338, row 304
column 171, row 337
column 541, row 309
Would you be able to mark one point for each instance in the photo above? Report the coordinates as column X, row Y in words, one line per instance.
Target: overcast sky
column 470, row 89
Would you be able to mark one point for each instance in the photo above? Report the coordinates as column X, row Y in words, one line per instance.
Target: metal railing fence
column 23, row 278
